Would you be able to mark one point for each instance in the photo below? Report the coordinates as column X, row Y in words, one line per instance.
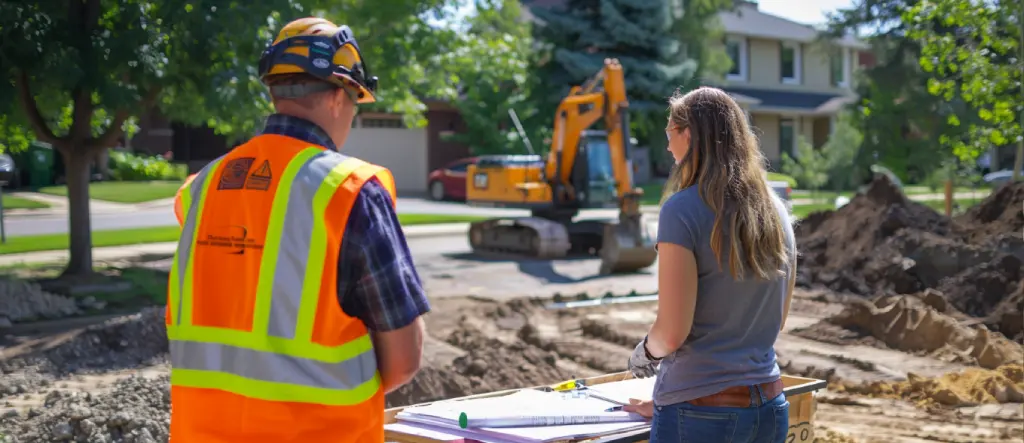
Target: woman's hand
column 642, row 408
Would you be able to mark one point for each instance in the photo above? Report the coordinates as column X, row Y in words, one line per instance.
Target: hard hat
column 323, row 50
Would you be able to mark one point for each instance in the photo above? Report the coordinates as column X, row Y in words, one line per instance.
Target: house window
column 787, row 137
column 789, row 58
column 840, row 66
column 736, row 48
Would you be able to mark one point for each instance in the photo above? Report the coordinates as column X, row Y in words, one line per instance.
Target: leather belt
column 741, row 396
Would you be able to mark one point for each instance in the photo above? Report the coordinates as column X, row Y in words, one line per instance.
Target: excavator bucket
column 626, row 247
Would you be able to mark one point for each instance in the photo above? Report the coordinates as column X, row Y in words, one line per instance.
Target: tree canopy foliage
column 78, row 70
column 900, row 119
column 490, row 63
column 974, row 50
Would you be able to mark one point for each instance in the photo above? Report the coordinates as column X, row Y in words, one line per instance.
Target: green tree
column 79, row 70
column 974, row 49
column 648, row 38
column 841, row 150
column 810, row 168
column 900, row 119
column 490, row 63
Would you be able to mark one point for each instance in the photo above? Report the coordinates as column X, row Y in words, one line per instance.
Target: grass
column 959, row 205
column 22, row 203
column 127, row 237
column 124, row 192
column 652, row 191
column 907, row 190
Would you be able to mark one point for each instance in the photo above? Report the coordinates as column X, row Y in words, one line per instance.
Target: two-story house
column 791, row 84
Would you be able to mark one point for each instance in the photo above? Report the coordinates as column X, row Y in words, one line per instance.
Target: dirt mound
column 120, row 343
column 1000, row 213
column 918, row 324
column 881, row 243
column 136, row 410
column 1004, row 384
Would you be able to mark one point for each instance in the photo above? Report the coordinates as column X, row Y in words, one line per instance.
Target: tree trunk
column 77, row 161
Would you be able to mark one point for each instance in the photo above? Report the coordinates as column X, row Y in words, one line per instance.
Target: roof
column 747, row 20
column 817, row 102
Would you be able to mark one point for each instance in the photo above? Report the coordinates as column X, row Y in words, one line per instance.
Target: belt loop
column 753, row 397
column 760, row 394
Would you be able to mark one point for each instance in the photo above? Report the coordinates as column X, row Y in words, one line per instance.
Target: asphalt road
column 57, row 223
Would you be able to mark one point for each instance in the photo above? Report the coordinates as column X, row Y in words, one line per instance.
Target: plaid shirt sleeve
column 377, row 282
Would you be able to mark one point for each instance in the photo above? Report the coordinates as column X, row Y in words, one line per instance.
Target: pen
column 613, row 409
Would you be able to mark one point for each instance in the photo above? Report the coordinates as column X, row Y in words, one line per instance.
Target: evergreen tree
column 644, row 35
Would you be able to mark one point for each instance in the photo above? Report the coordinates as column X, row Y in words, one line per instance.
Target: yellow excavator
column 584, row 169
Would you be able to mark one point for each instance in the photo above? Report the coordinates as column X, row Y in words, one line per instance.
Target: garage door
column 403, row 151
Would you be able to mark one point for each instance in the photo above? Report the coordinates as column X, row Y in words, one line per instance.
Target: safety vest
column 261, row 350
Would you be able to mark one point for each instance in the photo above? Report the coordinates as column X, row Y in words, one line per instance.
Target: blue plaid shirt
column 377, row 282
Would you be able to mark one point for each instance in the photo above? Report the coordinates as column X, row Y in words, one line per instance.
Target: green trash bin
column 37, row 163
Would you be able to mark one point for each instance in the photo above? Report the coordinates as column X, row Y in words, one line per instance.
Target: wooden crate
column 799, row 391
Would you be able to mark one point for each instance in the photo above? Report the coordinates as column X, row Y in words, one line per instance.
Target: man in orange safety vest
column 293, row 303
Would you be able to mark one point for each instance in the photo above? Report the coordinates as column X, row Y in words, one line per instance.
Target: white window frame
column 797, row 63
column 791, row 121
column 845, row 55
column 742, row 44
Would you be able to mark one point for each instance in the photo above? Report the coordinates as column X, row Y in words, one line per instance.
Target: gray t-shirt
column 735, row 324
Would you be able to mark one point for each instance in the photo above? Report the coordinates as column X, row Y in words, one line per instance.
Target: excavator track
column 529, row 236
column 623, row 247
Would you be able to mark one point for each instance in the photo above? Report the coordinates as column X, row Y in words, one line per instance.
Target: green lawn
column 124, row 192
column 908, row 190
column 22, row 203
column 801, row 211
column 123, row 237
column 652, row 191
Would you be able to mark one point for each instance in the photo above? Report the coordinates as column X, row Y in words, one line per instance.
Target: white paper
column 621, row 391
column 557, row 407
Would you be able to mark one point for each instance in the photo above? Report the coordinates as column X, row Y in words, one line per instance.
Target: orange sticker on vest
column 260, row 178
column 233, row 174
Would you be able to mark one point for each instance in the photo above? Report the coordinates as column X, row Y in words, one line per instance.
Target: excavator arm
column 603, row 96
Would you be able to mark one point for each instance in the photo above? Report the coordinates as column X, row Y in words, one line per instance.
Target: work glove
column 642, row 364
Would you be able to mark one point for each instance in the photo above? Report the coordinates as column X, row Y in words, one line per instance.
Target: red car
column 449, row 181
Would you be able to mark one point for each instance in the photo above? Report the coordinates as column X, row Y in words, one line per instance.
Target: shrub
column 125, row 166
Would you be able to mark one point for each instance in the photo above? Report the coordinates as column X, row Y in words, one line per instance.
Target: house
column 790, row 84
column 383, row 139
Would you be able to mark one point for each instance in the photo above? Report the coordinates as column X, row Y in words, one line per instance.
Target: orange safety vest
column 178, row 211
column 261, row 351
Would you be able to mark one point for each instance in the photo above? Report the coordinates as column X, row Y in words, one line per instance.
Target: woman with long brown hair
column 726, row 267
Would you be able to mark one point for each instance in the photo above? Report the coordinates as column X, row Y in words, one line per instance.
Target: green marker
column 463, row 420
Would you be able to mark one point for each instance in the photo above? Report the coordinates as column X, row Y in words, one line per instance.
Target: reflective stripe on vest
column 277, row 360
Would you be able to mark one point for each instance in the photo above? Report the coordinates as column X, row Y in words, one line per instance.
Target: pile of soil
column 121, row 343
column 971, row 387
column 882, row 243
column 921, row 324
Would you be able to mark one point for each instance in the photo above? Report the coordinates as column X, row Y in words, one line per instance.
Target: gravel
column 23, row 301
column 135, row 410
column 122, row 343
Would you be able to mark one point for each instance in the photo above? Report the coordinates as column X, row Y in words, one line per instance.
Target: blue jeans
column 685, row 423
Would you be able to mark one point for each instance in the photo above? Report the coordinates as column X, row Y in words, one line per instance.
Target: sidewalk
column 130, row 251
column 59, row 205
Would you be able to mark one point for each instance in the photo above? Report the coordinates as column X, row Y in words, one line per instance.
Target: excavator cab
column 594, row 177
